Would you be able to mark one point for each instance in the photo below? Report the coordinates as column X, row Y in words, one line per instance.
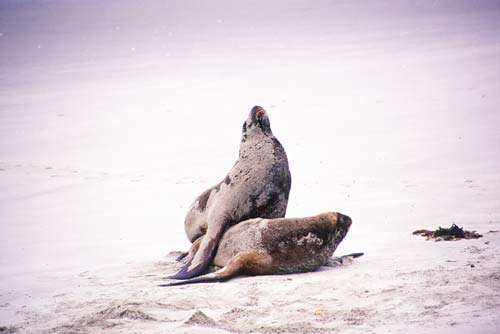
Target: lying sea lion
column 258, row 185
column 277, row 246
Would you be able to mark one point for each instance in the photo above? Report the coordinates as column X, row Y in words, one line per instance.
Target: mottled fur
column 277, row 246
column 258, row 185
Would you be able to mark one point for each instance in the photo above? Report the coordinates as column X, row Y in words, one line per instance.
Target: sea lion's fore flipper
column 200, row 261
column 239, row 263
column 353, row 255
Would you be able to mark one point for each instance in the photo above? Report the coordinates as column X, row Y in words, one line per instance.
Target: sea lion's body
column 258, row 185
column 277, row 246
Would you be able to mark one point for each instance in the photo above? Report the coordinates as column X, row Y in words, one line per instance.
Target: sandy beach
column 115, row 115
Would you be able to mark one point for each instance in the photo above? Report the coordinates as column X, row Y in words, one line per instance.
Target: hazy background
column 115, row 115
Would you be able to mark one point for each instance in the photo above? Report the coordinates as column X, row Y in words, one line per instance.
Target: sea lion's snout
column 344, row 220
column 257, row 109
column 258, row 112
column 257, row 119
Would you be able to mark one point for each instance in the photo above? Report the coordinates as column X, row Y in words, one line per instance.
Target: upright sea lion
column 277, row 246
column 258, row 185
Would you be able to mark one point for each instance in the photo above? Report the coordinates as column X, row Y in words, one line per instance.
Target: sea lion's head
column 342, row 225
column 256, row 123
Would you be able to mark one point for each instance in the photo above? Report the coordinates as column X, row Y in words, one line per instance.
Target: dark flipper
column 202, row 259
column 201, row 279
column 232, row 268
column 354, row 255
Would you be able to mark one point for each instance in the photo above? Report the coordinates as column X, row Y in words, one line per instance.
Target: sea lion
column 258, row 185
column 277, row 246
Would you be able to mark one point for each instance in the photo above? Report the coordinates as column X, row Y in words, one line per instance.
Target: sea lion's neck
column 257, row 144
column 255, row 134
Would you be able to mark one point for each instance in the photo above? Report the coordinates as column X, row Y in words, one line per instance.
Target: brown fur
column 276, row 246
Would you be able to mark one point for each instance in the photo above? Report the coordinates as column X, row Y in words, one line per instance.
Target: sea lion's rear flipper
column 240, row 263
column 200, row 261
column 217, row 276
column 353, row 255
column 342, row 260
